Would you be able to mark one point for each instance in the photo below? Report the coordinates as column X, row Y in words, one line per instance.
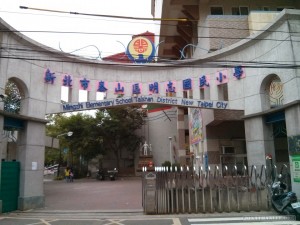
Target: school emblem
column 140, row 50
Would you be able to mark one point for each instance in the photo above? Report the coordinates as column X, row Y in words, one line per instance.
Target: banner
column 195, row 126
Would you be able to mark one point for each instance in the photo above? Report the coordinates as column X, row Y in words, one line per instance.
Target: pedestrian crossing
column 253, row 220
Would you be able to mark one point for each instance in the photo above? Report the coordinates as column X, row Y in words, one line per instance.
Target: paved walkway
column 93, row 202
column 123, row 194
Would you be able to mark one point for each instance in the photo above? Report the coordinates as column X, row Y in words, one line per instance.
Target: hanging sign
column 122, row 101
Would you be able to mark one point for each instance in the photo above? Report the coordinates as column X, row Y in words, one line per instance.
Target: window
column 65, row 94
column 216, row 10
column 201, row 94
column 190, row 94
column 185, row 94
column 100, row 96
column 282, row 8
column 228, row 150
column 235, row 11
column 83, row 96
column 223, row 92
column 244, row 10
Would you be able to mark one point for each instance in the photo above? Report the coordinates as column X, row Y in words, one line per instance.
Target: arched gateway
column 43, row 72
column 228, row 94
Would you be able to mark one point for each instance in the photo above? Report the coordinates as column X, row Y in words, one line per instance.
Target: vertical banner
column 195, row 126
column 296, row 168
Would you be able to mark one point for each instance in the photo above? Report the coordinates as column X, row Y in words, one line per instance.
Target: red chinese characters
column 140, row 45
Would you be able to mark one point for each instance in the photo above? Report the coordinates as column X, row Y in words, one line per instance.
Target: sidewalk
column 123, row 194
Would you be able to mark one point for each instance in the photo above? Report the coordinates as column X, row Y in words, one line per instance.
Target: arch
column 271, row 92
column 23, row 92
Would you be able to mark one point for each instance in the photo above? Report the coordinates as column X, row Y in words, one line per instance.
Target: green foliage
column 177, row 165
column 119, row 129
column 110, row 130
column 166, row 164
column 12, row 101
column 51, row 156
column 85, row 141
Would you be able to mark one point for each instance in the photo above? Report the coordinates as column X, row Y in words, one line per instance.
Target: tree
column 83, row 145
column 110, row 130
column 12, row 100
column 119, row 126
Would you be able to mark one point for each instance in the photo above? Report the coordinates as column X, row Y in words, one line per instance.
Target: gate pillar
column 292, row 120
column 259, row 140
column 31, row 153
column 150, row 195
column 1, row 150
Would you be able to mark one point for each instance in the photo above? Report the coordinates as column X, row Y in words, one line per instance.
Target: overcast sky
column 110, row 32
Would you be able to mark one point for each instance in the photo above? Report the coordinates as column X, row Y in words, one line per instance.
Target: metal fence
column 198, row 190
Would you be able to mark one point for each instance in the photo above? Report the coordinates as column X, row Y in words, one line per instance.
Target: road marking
column 216, row 219
column 176, row 221
column 114, row 222
column 271, row 220
column 252, row 223
column 45, row 222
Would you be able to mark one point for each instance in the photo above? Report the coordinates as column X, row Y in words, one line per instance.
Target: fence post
column 182, row 190
column 210, row 184
column 227, row 187
column 246, row 178
column 235, row 181
column 217, row 178
column 177, row 185
column 195, row 189
column 202, row 178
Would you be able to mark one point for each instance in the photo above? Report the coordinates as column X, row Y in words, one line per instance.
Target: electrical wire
column 146, row 18
column 102, row 15
column 214, row 64
column 165, row 24
column 127, row 34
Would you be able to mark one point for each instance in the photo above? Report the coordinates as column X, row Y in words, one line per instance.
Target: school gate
column 40, row 72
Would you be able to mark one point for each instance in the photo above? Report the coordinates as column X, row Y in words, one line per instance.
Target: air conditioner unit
column 228, row 150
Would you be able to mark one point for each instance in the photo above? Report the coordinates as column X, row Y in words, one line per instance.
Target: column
column 292, row 120
column 31, row 153
column 1, row 151
column 259, row 141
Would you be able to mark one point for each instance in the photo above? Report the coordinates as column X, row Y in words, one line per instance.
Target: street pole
column 170, row 139
column 59, row 162
column 70, row 133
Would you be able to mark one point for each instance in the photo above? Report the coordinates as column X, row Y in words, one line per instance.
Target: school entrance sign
column 172, row 101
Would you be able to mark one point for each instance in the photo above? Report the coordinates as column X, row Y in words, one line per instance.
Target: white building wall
column 157, row 132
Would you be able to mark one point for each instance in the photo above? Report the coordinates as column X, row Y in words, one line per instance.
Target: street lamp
column 170, row 139
column 69, row 133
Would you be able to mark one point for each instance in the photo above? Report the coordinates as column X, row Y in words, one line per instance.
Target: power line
column 165, row 36
column 102, row 15
column 179, row 64
column 175, row 25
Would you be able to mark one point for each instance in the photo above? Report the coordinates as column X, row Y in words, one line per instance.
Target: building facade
column 258, row 36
